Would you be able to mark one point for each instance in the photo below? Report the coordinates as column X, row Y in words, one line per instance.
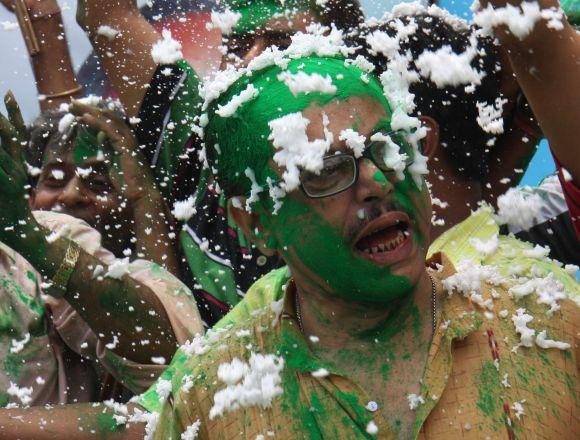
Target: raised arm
column 123, row 40
column 546, row 63
column 119, row 309
column 83, row 421
column 43, row 31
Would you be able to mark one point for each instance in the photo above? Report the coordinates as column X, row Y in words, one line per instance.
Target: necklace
column 433, row 308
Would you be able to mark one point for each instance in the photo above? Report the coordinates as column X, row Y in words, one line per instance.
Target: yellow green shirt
column 478, row 383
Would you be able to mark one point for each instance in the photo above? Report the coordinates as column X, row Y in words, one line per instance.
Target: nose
column 372, row 184
column 73, row 194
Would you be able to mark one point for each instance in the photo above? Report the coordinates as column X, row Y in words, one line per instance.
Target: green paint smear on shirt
column 106, row 425
column 490, row 401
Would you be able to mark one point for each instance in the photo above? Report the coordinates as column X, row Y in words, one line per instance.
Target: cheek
column 44, row 199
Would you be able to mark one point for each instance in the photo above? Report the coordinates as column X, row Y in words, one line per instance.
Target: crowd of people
column 325, row 238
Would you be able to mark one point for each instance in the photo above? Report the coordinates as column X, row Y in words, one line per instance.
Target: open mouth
column 384, row 238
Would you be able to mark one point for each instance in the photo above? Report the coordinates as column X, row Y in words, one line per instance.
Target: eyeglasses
column 340, row 171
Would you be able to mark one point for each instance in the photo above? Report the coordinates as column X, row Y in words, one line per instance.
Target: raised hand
column 128, row 170
column 15, row 215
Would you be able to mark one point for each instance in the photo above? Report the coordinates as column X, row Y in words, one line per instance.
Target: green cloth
column 256, row 13
column 183, row 111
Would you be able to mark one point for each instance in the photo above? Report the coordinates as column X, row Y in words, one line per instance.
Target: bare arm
column 115, row 307
column 52, row 65
column 127, row 56
column 547, row 67
column 83, row 421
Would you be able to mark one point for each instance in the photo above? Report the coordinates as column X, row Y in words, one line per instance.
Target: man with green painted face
column 220, row 264
column 363, row 338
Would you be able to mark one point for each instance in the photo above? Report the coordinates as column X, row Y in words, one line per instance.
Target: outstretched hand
column 15, row 215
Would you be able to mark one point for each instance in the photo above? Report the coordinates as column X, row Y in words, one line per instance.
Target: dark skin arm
column 52, row 67
column 131, row 67
column 112, row 307
column 547, row 67
column 134, row 180
column 83, row 421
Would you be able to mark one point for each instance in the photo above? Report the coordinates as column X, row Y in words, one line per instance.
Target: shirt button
column 372, row 406
column 261, row 260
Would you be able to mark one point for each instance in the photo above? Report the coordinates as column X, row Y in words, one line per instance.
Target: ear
column 431, row 141
column 251, row 225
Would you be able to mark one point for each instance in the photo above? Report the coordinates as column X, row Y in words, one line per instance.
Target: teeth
column 389, row 246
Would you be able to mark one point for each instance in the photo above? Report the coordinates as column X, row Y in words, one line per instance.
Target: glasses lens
column 337, row 174
column 379, row 151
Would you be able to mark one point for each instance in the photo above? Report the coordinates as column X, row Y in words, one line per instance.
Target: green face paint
column 304, row 237
column 87, row 145
column 380, row 177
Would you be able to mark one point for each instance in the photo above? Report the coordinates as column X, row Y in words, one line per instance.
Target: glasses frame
column 366, row 155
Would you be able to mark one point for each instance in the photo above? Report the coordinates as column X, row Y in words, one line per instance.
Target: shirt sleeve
column 177, row 301
column 169, row 110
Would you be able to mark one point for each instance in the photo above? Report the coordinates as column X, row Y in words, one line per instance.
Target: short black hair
column 454, row 109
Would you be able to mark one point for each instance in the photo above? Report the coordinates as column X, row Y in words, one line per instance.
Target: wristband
column 62, row 276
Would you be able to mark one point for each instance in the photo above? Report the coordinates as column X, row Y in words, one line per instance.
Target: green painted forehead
column 256, row 13
column 251, row 148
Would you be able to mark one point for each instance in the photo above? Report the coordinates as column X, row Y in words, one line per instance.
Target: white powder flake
column 321, row 372
column 486, row 247
column 187, row 383
column 537, row 252
column 548, row 291
column 167, row 50
column 520, row 20
column 183, row 210
column 354, row 140
column 65, row 122
column 301, row 82
column 23, row 394
column 118, row 269
column 372, row 428
column 108, row 32
column 229, row 109
column 415, row 401
column 447, row 68
column 518, row 207
column 490, row 116
column 521, row 320
column 191, row 431
column 255, row 189
column 18, row 346
column 248, row 384
column 467, row 280
column 543, row 342
column 394, row 159
column 295, row 151
column 163, row 389
column 518, row 409
column 224, row 21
